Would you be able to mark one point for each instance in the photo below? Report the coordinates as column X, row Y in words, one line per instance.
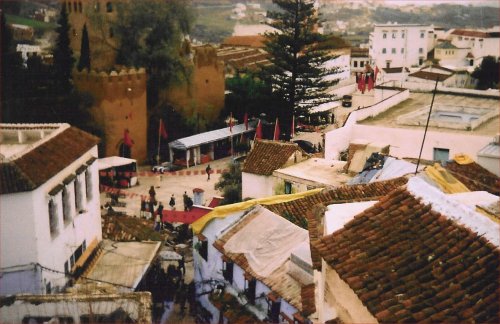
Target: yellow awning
column 446, row 182
column 223, row 211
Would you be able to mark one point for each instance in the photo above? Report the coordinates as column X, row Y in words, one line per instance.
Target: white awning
column 113, row 161
column 324, row 107
column 211, row 136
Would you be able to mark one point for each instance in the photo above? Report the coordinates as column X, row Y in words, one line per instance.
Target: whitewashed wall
column 25, row 226
column 256, row 186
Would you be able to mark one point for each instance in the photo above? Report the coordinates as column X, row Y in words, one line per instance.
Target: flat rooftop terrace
column 417, row 101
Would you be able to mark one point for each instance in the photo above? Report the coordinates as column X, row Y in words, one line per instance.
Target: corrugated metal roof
column 490, row 150
column 210, row 137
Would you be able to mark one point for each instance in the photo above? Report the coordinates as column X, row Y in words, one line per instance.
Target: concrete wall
column 342, row 298
column 25, row 225
column 406, row 142
column 491, row 164
column 256, row 186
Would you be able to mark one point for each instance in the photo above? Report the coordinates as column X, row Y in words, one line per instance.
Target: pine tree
column 84, row 62
column 63, row 55
column 297, row 73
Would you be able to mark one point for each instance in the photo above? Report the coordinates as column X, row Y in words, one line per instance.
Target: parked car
column 347, row 101
column 307, row 146
column 165, row 167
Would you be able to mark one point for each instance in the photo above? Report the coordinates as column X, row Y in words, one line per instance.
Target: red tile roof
column 44, row 161
column 470, row 33
column 429, row 75
column 475, row 177
column 409, row 263
column 255, row 41
column 267, row 156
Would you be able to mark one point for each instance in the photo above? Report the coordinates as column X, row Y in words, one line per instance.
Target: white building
column 49, row 202
column 479, row 43
column 460, row 123
column 400, row 45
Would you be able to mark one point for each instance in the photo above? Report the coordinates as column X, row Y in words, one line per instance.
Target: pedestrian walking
column 152, row 195
column 185, row 200
column 208, row 170
column 172, row 202
column 159, row 212
column 181, row 267
column 143, row 208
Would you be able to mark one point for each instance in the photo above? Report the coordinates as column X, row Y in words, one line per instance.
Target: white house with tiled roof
column 415, row 255
column 265, row 157
column 480, row 43
column 49, row 204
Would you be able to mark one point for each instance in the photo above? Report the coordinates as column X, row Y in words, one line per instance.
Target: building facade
column 400, row 45
column 49, row 204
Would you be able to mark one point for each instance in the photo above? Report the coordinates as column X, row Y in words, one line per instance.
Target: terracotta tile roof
column 348, row 193
column 470, row 33
column 429, row 75
column 126, row 229
column 409, row 263
column 279, row 281
column 475, row 177
column 44, row 161
column 267, row 156
column 256, row 41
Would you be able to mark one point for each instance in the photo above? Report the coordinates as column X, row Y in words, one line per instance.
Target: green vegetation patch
column 36, row 24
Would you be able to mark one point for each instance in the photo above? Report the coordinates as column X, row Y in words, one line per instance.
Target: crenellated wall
column 119, row 104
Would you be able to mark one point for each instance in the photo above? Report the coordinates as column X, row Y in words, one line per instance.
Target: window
column 459, row 38
column 394, row 35
column 111, row 32
column 250, row 285
column 393, row 51
column 66, row 205
column 53, row 221
column 97, row 7
column 402, row 50
column 384, row 35
column 361, row 64
column 422, row 34
column 402, row 34
column 273, row 308
column 355, row 64
column 387, row 64
column 441, row 154
column 79, row 7
column 420, row 50
column 75, row 9
column 288, row 187
column 466, row 38
column 109, row 7
column 227, row 270
column 88, row 184
column 384, row 50
column 78, row 195
column 69, row 7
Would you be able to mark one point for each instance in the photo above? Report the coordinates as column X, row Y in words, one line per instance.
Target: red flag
column 258, row 131
column 360, row 82
column 163, row 131
column 276, row 136
column 370, row 83
column 292, row 131
column 376, row 72
column 231, row 123
column 126, row 138
column 245, row 120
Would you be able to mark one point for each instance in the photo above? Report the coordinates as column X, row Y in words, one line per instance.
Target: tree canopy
column 230, row 184
column 487, row 73
column 84, row 61
column 298, row 71
column 151, row 35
